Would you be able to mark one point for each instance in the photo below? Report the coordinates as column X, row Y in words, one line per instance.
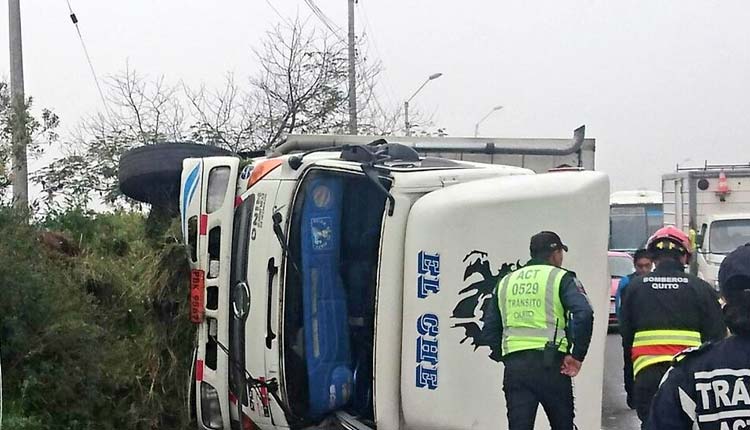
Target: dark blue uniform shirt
column 708, row 388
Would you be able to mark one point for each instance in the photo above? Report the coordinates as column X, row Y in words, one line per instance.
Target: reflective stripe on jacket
column 660, row 346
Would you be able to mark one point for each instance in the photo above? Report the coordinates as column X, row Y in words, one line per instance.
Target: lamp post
column 476, row 126
column 407, row 126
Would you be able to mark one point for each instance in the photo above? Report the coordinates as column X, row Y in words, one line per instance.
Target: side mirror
column 697, row 238
column 700, row 237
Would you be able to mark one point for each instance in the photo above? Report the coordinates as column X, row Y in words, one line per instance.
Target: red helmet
column 669, row 237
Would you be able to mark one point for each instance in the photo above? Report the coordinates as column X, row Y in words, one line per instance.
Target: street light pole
column 476, row 126
column 407, row 126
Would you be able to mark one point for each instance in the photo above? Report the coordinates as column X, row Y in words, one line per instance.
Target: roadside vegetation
column 93, row 325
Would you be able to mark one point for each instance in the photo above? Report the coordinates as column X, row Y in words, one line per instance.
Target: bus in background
column 633, row 217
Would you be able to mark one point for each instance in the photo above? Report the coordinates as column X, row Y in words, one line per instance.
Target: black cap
column 735, row 265
column 546, row 241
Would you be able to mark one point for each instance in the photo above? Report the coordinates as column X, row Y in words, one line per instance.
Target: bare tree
column 140, row 112
column 223, row 118
column 147, row 111
column 301, row 87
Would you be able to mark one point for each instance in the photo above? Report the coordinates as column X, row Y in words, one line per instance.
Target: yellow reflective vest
column 531, row 311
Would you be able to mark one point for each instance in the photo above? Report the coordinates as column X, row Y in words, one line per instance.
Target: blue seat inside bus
column 328, row 353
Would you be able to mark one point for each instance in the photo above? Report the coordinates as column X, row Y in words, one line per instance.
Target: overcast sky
column 655, row 82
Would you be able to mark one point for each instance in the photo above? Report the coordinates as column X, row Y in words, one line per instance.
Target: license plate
column 197, row 295
column 612, row 308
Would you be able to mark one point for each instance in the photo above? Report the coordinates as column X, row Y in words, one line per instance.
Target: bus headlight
column 210, row 407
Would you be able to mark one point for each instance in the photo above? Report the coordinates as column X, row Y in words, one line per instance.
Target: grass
column 99, row 340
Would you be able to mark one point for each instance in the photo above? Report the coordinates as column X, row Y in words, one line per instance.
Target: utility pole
column 352, row 73
column 18, row 108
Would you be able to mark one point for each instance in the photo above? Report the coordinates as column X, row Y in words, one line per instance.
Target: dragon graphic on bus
column 475, row 299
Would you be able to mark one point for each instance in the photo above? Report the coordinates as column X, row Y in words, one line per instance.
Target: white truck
column 713, row 203
column 344, row 287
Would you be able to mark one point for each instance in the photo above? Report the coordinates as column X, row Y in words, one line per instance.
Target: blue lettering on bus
column 428, row 274
column 427, row 356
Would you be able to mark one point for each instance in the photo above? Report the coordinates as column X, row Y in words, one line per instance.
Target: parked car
column 620, row 265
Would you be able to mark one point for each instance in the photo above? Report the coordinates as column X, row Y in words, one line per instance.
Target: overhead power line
column 332, row 27
column 369, row 32
column 74, row 19
column 331, row 24
column 278, row 13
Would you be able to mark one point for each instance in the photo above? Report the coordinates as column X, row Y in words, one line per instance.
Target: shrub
column 99, row 340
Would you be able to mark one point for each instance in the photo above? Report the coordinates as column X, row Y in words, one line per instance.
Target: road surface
column 615, row 413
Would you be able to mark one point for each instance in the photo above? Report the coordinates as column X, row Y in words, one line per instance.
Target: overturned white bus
column 342, row 283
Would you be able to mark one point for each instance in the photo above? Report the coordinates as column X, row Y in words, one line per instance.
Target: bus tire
column 152, row 173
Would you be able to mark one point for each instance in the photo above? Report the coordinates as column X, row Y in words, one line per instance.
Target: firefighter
column 709, row 387
column 664, row 313
column 540, row 350
column 643, row 263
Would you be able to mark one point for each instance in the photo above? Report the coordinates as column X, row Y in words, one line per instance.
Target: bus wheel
column 151, row 173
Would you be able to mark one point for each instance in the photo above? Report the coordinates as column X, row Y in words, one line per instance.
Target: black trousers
column 645, row 385
column 527, row 383
column 627, row 375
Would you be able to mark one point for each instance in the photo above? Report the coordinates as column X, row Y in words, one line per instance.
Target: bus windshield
column 630, row 226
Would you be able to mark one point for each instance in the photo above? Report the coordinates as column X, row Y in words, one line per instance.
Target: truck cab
column 344, row 287
column 718, row 236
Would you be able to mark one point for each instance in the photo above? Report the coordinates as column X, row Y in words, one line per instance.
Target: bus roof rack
column 474, row 145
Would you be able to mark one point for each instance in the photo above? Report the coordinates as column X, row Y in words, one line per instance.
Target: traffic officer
column 709, row 387
column 529, row 321
column 665, row 312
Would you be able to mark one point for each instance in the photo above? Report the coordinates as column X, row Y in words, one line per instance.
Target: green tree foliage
column 42, row 130
column 140, row 112
column 95, row 340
